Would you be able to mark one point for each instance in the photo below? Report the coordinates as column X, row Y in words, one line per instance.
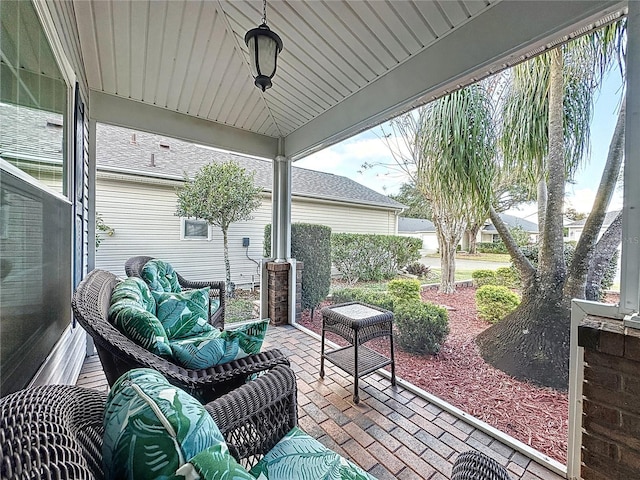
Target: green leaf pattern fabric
column 132, row 311
column 160, row 276
column 214, row 347
column 183, row 314
column 214, row 463
column 299, row 456
column 152, row 428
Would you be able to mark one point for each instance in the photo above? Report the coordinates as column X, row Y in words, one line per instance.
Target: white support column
column 281, row 210
column 630, row 276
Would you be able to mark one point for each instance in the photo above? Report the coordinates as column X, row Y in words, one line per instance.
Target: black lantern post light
column 264, row 47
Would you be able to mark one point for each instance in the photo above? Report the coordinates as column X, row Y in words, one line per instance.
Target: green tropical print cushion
column 136, row 290
column 183, row 314
column 214, row 347
column 302, row 457
column 160, row 276
column 214, row 463
column 214, row 305
column 152, row 428
column 129, row 313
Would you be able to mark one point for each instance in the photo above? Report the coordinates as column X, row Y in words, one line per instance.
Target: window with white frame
column 193, row 229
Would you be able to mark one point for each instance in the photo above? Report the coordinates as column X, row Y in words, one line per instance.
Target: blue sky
column 347, row 157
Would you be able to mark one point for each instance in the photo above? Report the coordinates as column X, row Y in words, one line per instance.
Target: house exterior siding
column 141, row 210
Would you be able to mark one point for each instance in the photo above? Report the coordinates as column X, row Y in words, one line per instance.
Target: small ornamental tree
column 220, row 194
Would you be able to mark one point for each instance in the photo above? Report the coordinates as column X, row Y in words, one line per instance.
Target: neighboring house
column 420, row 228
column 488, row 232
column 574, row 228
column 426, row 231
column 137, row 177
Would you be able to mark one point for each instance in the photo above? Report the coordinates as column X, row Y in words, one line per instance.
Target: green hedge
column 491, row 247
column 495, row 302
column 310, row 244
column 379, row 299
column 483, row 277
column 404, row 289
column 421, row 327
column 508, row 277
column 372, row 257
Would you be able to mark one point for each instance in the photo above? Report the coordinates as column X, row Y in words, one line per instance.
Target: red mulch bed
column 458, row 374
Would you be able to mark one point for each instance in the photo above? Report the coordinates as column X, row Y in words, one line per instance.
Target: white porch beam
column 127, row 113
column 504, row 32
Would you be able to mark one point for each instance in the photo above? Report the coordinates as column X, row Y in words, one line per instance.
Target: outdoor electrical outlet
column 245, row 241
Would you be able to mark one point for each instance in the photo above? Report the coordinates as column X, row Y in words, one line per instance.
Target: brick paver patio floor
column 392, row 433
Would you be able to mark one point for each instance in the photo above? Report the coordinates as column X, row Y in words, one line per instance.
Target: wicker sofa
column 118, row 354
column 133, row 268
column 55, row 432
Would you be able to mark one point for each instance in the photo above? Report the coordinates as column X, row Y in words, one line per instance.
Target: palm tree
column 448, row 156
column 545, row 136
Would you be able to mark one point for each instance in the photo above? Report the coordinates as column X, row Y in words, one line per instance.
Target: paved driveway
column 463, row 264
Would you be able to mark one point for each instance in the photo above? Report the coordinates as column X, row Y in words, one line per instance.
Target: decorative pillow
column 297, row 455
column 183, row 314
column 215, row 347
column 129, row 313
column 152, row 428
column 136, row 290
column 160, row 276
column 214, row 463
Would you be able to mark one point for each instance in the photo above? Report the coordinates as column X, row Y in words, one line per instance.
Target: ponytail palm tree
column 546, row 119
column 447, row 149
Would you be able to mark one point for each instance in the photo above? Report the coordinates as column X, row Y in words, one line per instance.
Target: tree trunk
column 581, row 263
column 227, row 266
column 603, row 252
column 449, row 232
column 542, row 204
column 473, row 237
column 532, row 342
column 551, row 265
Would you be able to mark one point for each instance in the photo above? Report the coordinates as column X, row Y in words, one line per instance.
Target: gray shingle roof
column 116, row 149
column 415, row 225
column 30, row 134
column 512, row 222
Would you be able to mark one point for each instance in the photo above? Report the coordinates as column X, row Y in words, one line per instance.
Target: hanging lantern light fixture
column 264, row 47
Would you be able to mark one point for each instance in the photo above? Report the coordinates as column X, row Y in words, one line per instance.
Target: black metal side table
column 357, row 323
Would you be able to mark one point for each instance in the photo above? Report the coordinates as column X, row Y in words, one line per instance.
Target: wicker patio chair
column 118, row 354
column 477, row 466
column 55, row 431
column 133, row 268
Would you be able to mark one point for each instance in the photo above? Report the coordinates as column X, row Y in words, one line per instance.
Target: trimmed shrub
column 405, row 290
column 372, row 297
column 508, row 277
column 491, row 247
column 484, row 277
column 310, row 244
column 494, row 302
column 421, row 327
column 419, row 269
column 372, row 257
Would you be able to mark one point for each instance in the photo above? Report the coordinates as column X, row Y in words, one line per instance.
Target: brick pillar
column 299, row 268
column 278, row 292
column 611, row 400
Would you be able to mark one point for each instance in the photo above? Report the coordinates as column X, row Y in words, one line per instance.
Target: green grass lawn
column 481, row 257
column 460, row 275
